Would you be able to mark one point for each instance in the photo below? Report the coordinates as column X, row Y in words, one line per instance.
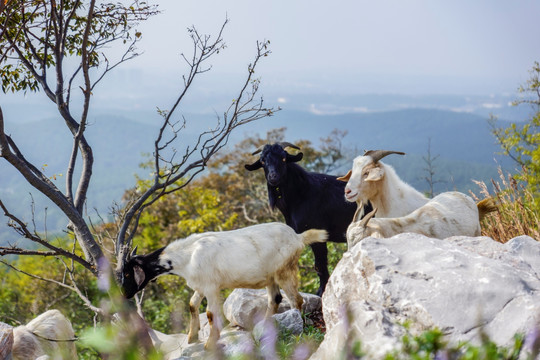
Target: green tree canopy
column 521, row 141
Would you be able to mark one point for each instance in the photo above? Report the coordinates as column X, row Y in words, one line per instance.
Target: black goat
column 307, row 200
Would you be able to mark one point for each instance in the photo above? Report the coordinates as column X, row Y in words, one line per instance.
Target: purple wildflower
column 104, row 279
column 301, row 352
column 532, row 342
column 268, row 340
column 441, row 355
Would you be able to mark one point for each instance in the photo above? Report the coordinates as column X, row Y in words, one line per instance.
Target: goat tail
column 485, row 207
column 314, row 236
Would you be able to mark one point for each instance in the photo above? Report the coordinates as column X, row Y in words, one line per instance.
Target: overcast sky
column 388, row 46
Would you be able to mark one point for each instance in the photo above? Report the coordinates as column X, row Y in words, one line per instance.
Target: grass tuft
column 515, row 215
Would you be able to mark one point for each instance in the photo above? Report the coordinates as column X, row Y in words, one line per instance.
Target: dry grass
column 515, row 214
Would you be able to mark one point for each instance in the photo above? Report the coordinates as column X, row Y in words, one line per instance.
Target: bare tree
column 430, row 160
column 60, row 47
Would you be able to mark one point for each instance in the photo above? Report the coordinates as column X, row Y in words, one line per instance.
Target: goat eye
column 126, row 275
column 262, row 162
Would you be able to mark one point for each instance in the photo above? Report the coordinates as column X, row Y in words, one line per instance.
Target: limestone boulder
column 290, row 321
column 246, row 307
column 462, row 285
column 233, row 342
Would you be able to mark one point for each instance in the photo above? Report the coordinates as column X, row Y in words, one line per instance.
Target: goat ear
column 295, row 158
column 256, row 165
column 375, row 174
column 346, row 177
column 139, row 275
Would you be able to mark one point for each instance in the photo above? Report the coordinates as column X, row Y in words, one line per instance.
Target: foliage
column 431, row 345
column 518, row 196
column 522, row 141
column 182, row 213
column 290, row 345
column 36, row 49
column 23, row 297
column 309, row 280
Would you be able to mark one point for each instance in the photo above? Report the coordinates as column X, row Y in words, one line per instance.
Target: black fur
column 151, row 267
column 307, row 200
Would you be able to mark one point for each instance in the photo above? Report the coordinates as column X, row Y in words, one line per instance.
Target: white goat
column 49, row 336
column 448, row 214
column 252, row 257
column 376, row 182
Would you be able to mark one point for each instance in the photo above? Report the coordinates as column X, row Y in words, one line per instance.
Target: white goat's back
column 458, row 213
column 239, row 258
column 448, row 214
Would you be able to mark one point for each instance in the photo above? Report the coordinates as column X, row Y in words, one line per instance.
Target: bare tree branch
column 37, row 40
column 168, row 173
column 20, row 227
column 39, row 181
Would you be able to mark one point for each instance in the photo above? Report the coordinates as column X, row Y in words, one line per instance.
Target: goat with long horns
column 373, row 181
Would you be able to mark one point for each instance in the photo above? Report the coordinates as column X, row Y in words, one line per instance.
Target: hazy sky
column 387, row 46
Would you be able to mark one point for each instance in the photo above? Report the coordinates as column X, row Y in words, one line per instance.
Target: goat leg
column 194, row 323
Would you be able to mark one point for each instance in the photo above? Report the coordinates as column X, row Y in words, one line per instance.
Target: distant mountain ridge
column 464, row 142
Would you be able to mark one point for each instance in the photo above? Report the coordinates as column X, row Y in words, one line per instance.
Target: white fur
column 49, row 325
column 379, row 184
column 447, row 214
column 252, row 257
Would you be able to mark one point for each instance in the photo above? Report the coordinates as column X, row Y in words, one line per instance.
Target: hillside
column 463, row 141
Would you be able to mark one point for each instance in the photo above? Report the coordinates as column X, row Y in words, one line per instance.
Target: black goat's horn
column 132, row 253
column 377, row 155
column 285, row 144
column 259, row 149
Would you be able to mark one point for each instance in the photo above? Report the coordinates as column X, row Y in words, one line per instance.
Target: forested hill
column 464, row 142
column 455, row 136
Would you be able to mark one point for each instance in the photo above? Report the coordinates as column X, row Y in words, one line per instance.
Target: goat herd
column 317, row 208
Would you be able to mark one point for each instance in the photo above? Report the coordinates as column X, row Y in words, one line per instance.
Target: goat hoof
column 211, row 346
column 192, row 339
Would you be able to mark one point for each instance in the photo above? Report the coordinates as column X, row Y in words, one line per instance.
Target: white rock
column 246, row 307
column 290, row 320
column 461, row 285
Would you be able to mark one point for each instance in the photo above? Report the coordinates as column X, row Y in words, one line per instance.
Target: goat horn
column 133, row 252
column 259, row 149
column 377, row 155
column 359, row 212
column 285, row 144
column 368, row 217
